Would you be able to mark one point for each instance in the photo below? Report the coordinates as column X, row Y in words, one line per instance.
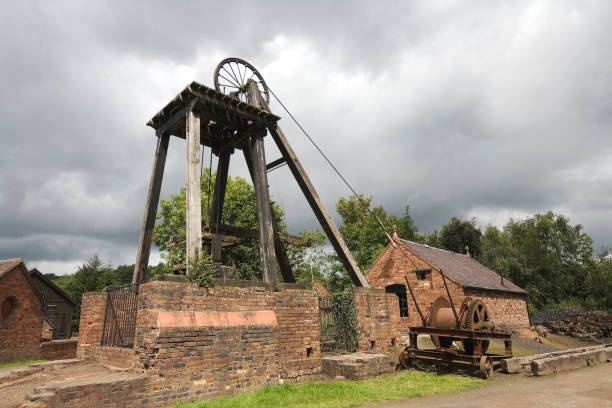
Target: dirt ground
column 589, row 388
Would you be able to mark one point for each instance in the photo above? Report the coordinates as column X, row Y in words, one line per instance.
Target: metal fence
column 120, row 316
column 328, row 335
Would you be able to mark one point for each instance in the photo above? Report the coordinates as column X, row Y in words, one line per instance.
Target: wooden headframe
column 202, row 115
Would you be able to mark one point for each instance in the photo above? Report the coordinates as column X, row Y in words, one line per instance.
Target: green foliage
column 344, row 394
column 239, row 209
column 362, row 232
column 551, row 259
column 345, row 320
column 201, row 270
column 457, row 234
column 310, row 264
column 95, row 275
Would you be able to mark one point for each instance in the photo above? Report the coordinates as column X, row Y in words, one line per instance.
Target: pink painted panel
column 215, row 319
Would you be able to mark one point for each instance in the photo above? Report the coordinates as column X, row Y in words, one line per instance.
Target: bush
column 201, row 270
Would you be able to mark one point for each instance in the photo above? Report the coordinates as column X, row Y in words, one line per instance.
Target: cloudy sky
column 486, row 109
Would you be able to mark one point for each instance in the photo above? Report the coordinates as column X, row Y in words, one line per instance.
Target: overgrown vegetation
column 201, row 270
column 342, row 394
column 345, row 320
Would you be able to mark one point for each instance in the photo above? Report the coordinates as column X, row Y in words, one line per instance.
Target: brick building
column 421, row 264
column 59, row 306
column 21, row 313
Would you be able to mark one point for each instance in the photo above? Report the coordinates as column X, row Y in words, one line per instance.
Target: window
column 400, row 292
column 8, row 305
column 422, row 274
column 50, row 312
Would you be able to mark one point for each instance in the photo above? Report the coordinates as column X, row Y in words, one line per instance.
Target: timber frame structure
column 205, row 116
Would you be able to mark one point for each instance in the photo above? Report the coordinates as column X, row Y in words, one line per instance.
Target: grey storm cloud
column 491, row 109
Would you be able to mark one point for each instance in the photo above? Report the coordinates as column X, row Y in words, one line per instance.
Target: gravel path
column 588, row 388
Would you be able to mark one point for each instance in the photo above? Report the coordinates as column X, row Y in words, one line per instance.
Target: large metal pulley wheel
column 474, row 317
column 232, row 75
column 441, row 316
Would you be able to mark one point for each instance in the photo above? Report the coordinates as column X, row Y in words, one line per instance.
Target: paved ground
column 588, row 387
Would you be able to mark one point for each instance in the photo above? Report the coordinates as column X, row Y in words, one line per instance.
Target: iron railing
column 120, row 316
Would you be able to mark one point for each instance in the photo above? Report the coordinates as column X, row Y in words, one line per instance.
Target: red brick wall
column 113, row 356
column 506, row 309
column 393, row 265
column 21, row 330
column 58, row 349
column 213, row 361
column 93, row 307
column 377, row 319
column 297, row 311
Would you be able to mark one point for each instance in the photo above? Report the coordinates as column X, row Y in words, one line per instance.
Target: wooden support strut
column 450, row 299
column 415, row 302
column 279, row 248
column 316, row 204
column 193, row 199
column 262, row 197
column 148, row 220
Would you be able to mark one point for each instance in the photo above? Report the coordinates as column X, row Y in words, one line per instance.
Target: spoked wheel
column 231, row 78
column 486, row 367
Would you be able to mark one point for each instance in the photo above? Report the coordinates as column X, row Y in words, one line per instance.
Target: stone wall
column 58, row 349
column 377, row 320
column 21, row 330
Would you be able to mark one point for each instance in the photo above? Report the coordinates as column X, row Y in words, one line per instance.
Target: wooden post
column 279, row 247
column 262, row 196
column 216, row 212
column 148, row 221
column 317, row 206
column 194, row 198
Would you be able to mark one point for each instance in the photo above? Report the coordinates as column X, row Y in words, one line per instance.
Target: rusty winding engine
column 472, row 315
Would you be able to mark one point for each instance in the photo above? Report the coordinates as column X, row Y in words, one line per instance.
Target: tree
column 362, row 231
column 312, row 263
column 239, row 209
column 88, row 278
column 457, row 234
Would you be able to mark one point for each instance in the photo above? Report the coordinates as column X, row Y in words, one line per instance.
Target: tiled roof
column 464, row 270
column 6, row 266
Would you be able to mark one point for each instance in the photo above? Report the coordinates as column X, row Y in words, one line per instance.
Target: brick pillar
column 91, row 325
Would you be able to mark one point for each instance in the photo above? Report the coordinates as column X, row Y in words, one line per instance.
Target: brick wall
column 393, row 265
column 21, row 330
column 58, row 349
column 213, row 361
column 93, row 307
column 113, row 356
column 506, row 309
column 297, row 311
column 377, row 319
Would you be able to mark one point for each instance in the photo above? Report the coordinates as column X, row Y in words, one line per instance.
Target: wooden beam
column 262, row 195
column 148, row 220
column 275, row 163
column 193, row 199
column 316, row 204
column 216, row 213
column 244, row 232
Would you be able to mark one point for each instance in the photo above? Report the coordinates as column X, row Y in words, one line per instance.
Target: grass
column 343, row 394
column 20, row 363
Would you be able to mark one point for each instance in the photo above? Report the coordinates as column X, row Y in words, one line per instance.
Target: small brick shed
column 421, row 264
column 21, row 314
